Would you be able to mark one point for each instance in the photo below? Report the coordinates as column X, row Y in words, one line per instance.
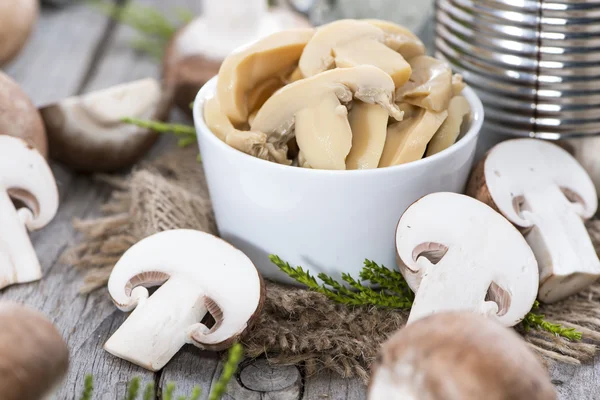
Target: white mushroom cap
column 87, row 133
column 458, row 356
column 33, row 356
column 457, row 253
column 17, row 19
column 198, row 273
column 541, row 188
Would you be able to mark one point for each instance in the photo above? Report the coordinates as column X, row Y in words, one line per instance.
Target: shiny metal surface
column 535, row 64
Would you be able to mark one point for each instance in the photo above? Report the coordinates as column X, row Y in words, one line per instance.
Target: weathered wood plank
column 59, row 52
column 329, row 386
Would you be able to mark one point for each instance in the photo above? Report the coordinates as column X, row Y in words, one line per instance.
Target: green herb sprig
column 186, row 134
column 236, row 353
column 393, row 292
column 88, row 388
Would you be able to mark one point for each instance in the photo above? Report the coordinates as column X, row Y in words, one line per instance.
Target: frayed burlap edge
column 296, row 326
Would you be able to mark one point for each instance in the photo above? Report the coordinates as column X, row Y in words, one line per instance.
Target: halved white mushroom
column 446, row 135
column 369, row 130
column 249, row 142
column 349, row 43
column 458, row 254
column 196, row 52
column 399, row 38
column 542, row 189
column 586, row 150
column 313, row 109
column 458, row 356
column 430, row 84
column 198, row 274
column 34, row 358
column 23, row 169
column 407, row 140
column 245, row 69
column 87, row 133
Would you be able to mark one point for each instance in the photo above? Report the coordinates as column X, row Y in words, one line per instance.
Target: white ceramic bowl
column 325, row 221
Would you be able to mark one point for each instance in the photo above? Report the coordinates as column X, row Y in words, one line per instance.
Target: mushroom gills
column 449, row 131
column 369, row 130
column 323, row 133
column 349, row 43
column 407, row 140
column 430, row 85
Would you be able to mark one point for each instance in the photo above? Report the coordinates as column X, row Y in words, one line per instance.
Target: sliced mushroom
column 586, row 150
column 243, row 70
column 446, row 136
column 19, row 117
column 87, row 132
column 458, row 356
column 349, row 43
column 430, row 85
column 369, row 129
column 249, row 142
column 23, row 168
column 34, row 358
column 198, row 274
column 324, row 142
column 457, row 84
column 17, row 20
column 407, row 140
column 399, row 38
column 542, row 189
column 458, row 254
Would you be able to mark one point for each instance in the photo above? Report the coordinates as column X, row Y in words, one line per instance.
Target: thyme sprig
column 186, row 134
column 393, row 292
column 236, row 353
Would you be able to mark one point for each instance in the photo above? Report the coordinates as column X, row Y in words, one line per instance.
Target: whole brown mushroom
column 195, row 53
column 458, row 356
column 17, row 19
column 18, row 116
column 33, row 356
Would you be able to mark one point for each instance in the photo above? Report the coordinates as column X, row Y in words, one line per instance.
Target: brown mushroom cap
column 458, row 356
column 17, row 19
column 33, row 356
column 18, row 116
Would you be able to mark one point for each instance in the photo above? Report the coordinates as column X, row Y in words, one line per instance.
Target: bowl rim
column 209, row 89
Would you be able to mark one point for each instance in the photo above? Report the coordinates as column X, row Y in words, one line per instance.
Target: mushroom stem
column 18, row 261
column 559, row 238
column 440, row 277
column 155, row 330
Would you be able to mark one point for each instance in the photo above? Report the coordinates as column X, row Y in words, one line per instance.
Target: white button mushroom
column 586, row 150
column 457, row 253
column 458, row 356
column 198, row 274
column 542, row 189
column 33, row 356
column 195, row 53
column 87, row 132
column 23, row 169
column 17, row 19
column 19, row 117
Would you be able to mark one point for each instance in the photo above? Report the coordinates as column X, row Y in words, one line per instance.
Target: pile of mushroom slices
column 352, row 94
column 199, row 275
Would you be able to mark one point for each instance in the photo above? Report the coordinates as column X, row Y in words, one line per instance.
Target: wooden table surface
column 76, row 50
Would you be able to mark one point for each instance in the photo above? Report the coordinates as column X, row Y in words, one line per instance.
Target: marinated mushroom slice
column 457, row 84
column 198, row 274
column 399, row 39
column 87, row 132
column 458, row 254
column 543, row 190
column 407, row 140
column 430, row 84
column 243, row 70
column 325, row 142
column 369, row 129
column 249, row 142
column 458, row 356
column 22, row 168
column 349, row 43
column 446, row 136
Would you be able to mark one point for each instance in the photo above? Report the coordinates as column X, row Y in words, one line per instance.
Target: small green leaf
column 88, row 388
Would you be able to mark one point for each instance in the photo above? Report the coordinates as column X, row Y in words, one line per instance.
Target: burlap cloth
column 297, row 326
